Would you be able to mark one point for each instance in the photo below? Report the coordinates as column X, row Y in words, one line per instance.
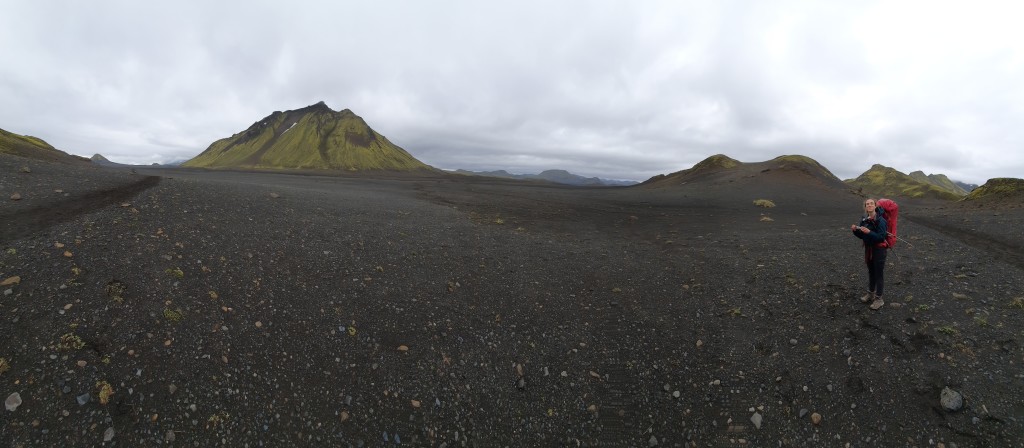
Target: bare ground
column 463, row 312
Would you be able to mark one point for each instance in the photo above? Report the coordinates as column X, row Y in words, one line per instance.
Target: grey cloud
column 606, row 88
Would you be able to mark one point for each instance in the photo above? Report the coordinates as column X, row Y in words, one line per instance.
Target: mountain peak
column 313, row 137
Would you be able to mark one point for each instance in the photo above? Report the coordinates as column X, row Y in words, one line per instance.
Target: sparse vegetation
column 499, row 221
column 70, row 341
column 1017, row 302
column 948, row 330
column 923, row 307
column 174, row 315
column 4, row 365
column 105, row 391
column 176, row 272
column 217, row 419
column 116, row 290
column 764, row 203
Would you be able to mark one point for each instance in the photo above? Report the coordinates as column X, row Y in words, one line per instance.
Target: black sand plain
column 268, row 309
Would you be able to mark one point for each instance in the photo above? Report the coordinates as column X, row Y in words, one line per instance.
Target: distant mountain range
column 556, row 176
column 313, row 137
column 316, row 137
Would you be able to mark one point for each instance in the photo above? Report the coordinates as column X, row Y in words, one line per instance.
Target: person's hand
column 853, row 227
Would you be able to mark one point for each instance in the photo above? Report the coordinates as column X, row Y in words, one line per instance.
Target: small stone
column 675, row 394
column 829, row 387
column 792, row 342
column 68, row 254
column 803, row 412
column 172, row 389
column 83, row 399
column 108, row 435
column 344, row 416
column 666, row 387
column 415, row 403
column 564, row 374
column 521, row 383
column 26, row 169
column 13, row 401
column 951, row 399
column 274, row 195
column 259, row 324
column 403, row 348
column 592, row 408
column 699, row 343
column 653, row 441
column 756, row 420
column 816, row 418
column 169, row 436
column 16, row 197
column 11, row 281
column 82, row 363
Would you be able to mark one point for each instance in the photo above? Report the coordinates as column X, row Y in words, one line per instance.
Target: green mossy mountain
column 881, row 180
column 939, row 180
column 314, row 137
column 722, row 168
column 33, row 148
column 1000, row 187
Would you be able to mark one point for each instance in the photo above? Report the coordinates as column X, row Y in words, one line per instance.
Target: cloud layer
column 602, row 88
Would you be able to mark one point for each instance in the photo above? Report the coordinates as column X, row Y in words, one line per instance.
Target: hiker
column 873, row 231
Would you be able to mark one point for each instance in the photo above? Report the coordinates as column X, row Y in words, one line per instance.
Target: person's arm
column 878, row 234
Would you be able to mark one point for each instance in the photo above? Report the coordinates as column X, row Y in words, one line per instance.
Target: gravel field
column 195, row 308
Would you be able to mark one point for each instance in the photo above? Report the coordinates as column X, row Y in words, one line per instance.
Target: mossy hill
column 33, row 148
column 314, row 137
column 939, row 180
column 722, row 168
column 1000, row 187
column 881, row 180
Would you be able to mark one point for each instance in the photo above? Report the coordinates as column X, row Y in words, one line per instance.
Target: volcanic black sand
column 201, row 308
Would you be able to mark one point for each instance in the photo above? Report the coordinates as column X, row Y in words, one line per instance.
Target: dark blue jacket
column 878, row 229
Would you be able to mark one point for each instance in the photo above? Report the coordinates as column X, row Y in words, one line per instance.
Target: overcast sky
column 616, row 89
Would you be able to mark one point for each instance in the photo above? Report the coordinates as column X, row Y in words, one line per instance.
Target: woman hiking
column 873, row 230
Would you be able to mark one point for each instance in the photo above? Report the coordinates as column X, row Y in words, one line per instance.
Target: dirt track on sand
column 443, row 312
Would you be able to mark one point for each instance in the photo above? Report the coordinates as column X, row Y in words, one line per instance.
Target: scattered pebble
column 816, row 418
column 756, row 420
column 653, row 441
column 108, row 435
column 16, row 197
column 13, row 401
column 951, row 399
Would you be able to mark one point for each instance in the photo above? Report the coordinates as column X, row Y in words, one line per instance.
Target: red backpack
column 892, row 214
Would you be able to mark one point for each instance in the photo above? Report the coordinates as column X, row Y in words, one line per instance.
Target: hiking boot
column 867, row 297
column 877, row 303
